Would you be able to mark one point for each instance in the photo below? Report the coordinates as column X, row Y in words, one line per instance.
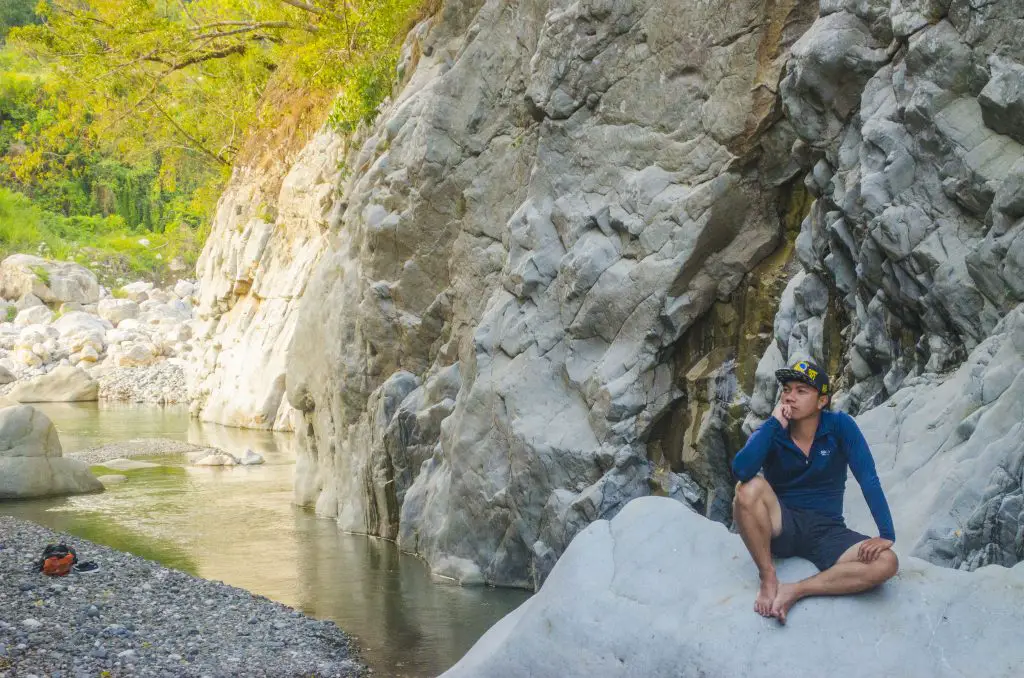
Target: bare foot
column 765, row 596
column 784, row 599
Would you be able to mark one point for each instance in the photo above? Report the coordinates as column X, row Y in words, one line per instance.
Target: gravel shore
column 134, row 617
column 138, row 447
column 162, row 383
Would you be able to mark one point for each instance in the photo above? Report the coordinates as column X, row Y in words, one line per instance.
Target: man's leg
column 848, row 575
column 758, row 516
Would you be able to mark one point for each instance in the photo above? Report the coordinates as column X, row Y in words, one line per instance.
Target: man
column 796, row 508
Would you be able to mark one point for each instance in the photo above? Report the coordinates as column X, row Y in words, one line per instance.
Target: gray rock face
column 557, row 194
column 950, row 454
column 912, row 154
column 51, row 281
column 617, row 605
column 268, row 233
column 31, row 464
column 917, row 231
column 497, row 293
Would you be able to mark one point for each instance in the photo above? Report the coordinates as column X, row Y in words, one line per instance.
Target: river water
column 238, row 525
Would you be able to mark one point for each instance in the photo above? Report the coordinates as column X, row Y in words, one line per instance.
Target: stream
column 238, row 525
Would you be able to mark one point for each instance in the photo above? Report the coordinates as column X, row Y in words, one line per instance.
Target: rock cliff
column 556, row 196
column 560, row 269
column 270, row 228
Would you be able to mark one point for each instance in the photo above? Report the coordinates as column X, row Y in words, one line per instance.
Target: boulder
column 117, row 310
column 51, row 281
column 184, row 289
column 135, row 354
column 660, row 591
column 28, row 301
column 137, row 291
column 213, row 458
column 5, row 376
column 31, row 464
column 34, row 315
column 63, row 384
column 251, row 458
column 78, row 321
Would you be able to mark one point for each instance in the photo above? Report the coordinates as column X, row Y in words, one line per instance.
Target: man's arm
column 863, row 466
column 750, row 459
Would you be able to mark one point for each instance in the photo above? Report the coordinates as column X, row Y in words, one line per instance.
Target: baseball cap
column 808, row 373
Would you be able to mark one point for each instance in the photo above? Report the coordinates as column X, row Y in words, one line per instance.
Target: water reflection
column 237, row 525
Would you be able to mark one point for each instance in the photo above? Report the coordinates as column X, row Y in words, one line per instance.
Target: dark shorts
column 814, row 536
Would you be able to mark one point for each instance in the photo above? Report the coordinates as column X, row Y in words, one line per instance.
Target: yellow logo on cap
column 813, row 374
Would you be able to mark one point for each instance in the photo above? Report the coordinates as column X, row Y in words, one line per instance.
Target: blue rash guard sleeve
column 750, row 459
column 863, row 466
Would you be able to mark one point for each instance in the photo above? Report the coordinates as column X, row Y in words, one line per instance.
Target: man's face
column 803, row 399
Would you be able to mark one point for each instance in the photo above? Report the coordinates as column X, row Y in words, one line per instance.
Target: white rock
column 184, row 288
column 250, row 458
column 661, row 592
column 117, row 310
column 79, row 321
column 28, row 300
column 33, row 315
column 50, row 281
column 212, row 458
column 63, row 384
column 137, row 291
column 31, row 464
column 135, row 355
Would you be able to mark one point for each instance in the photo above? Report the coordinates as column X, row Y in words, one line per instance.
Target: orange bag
column 56, row 566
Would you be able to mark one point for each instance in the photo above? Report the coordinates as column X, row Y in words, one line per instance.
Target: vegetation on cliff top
column 120, row 119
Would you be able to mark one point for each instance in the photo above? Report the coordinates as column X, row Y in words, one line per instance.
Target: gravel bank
column 139, row 447
column 161, row 383
column 134, row 617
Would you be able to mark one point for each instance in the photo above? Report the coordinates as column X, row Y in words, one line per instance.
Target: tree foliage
column 138, row 108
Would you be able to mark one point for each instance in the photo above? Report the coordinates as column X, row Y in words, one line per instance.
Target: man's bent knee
column 750, row 492
column 889, row 564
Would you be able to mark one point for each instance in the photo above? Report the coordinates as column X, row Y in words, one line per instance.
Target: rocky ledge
column 133, row 617
column 660, row 591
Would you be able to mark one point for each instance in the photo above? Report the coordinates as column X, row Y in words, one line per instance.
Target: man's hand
column 783, row 413
column 870, row 549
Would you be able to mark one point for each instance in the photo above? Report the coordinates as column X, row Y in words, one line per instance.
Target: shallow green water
column 238, row 525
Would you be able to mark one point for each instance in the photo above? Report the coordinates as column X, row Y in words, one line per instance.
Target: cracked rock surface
column 559, row 191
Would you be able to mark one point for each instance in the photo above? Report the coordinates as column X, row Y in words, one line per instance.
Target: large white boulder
column 660, row 591
column 31, row 464
column 51, row 281
column 63, row 384
column 117, row 310
column 79, row 321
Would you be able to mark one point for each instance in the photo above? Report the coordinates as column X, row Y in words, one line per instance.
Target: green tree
column 16, row 13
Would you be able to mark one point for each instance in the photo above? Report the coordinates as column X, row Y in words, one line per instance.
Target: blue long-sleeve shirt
column 816, row 481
